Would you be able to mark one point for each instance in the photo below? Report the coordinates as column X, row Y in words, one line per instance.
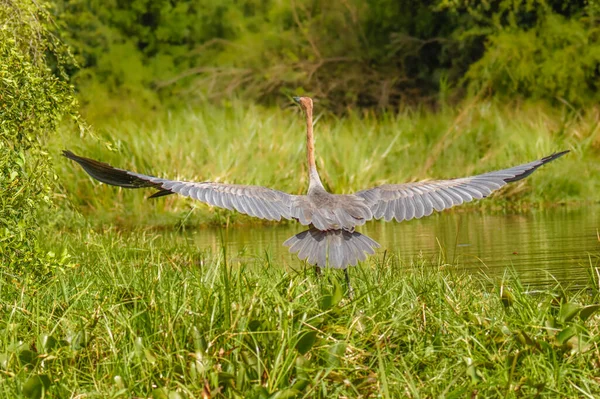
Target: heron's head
column 304, row 102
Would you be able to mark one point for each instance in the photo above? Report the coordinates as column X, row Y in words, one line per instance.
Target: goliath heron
column 331, row 239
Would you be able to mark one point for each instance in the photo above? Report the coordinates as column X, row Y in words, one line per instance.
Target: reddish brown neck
column 315, row 180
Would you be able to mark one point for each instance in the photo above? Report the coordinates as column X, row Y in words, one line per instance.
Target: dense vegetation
column 375, row 53
column 133, row 315
column 34, row 97
column 102, row 307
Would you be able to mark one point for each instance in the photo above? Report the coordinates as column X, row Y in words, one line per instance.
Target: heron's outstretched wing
column 257, row 201
column 415, row 200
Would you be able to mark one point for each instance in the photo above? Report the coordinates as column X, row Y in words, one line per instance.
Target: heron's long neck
column 314, row 179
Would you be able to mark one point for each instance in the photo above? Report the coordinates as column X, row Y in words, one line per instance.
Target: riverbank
column 132, row 315
column 123, row 317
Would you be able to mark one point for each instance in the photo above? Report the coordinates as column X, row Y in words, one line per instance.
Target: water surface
column 541, row 246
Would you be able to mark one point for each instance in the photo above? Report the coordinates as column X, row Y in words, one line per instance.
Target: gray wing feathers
column 334, row 248
column 255, row 201
column 415, row 200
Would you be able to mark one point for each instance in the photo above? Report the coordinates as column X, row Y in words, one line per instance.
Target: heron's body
column 331, row 239
column 328, row 211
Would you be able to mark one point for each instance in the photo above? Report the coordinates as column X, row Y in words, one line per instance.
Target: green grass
column 247, row 144
column 131, row 313
column 135, row 315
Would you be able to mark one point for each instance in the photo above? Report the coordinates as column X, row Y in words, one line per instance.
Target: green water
column 541, row 246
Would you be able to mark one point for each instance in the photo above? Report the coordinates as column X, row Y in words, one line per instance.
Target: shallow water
column 540, row 246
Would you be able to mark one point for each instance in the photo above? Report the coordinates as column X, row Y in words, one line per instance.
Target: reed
column 248, row 144
column 135, row 315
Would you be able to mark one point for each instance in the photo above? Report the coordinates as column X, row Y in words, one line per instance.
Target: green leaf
column 138, row 347
column 199, row 340
column 306, row 342
column 150, row 358
column 80, row 340
column 317, row 322
column 300, row 384
column 335, row 353
column 472, row 373
column 226, row 379
column 4, row 357
column 287, row 393
column 164, row 393
column 259, row 392
column 301, row 366
column 337, row 295
column 565, row 334
column 568, row 311
column 506, row 297
column 160, row 393
column 326, row 302
column 18, row 347
column 35, row 386
column 254, row 325
column 249, row 358
column 588, row 311
column 48, row 342
column 550, row 323
column 28, row 357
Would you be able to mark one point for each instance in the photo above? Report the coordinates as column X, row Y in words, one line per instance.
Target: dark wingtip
column 85, row 162
column 554, row 156
column 542, row 161
column 116, row 177
column 81, row 160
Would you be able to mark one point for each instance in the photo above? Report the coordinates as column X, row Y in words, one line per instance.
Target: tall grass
column 247, row 144
column 130, row 315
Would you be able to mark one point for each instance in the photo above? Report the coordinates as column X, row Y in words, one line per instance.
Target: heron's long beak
column 296, row 99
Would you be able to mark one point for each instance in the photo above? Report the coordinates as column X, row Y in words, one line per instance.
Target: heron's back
column 328, row 211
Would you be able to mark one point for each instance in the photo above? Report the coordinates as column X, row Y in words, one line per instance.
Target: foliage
column 33, row 99
column 538, row 53
column 140, row 316
column 375, row 53
column 215, row 49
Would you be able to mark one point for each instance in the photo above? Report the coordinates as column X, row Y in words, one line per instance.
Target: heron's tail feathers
column 334, row 248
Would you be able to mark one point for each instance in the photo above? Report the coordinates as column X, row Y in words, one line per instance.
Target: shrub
column 34, row 96
column 557, row 59
column 374, row 53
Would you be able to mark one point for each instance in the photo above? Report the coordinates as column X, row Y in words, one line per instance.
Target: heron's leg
column 350, row 290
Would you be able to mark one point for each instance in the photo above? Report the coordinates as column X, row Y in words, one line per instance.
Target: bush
column 34, row 96
column 374, row 53
column 557, row 59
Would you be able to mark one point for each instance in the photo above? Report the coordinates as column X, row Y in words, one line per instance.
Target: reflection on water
column 540, row 246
